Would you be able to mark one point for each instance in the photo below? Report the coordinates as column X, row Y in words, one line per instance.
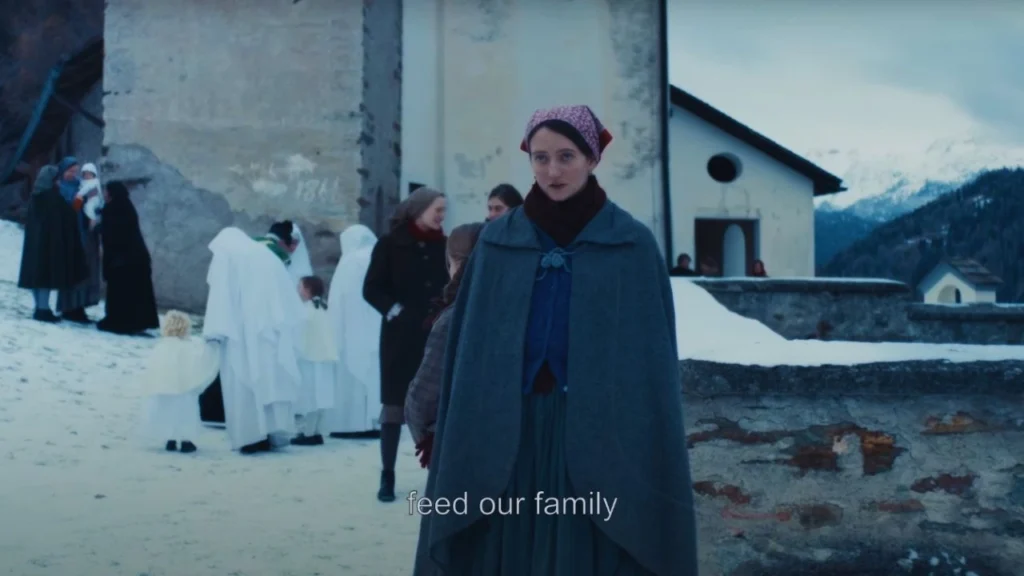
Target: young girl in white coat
column 180, row 367
column 318, row 361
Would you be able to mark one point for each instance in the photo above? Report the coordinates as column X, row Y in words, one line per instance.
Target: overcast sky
column 887, row 76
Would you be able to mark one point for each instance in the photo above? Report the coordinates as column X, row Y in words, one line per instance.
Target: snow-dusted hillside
column 882, row 186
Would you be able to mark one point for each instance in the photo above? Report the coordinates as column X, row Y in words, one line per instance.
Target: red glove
column 423, row 450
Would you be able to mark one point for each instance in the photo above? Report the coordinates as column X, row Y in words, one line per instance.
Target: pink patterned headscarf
column 580, row 117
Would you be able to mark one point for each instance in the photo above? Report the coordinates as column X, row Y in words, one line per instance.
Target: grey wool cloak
column 52, row 257
column 624, row 423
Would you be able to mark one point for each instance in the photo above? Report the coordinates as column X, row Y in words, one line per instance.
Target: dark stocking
column 390, row 434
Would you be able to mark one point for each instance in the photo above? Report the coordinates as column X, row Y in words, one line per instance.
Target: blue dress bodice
column 547, row 329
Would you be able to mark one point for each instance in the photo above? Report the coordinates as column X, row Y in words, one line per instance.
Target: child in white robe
column 318, row 361
column 180, row 368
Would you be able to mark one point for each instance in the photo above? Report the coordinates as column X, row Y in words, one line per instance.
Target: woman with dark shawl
column 51, row 256
column 127, row 269
column 561, row 393
column 406, row 275
column 73, row 302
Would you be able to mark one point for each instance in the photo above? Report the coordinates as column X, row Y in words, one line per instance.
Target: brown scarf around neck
column 564, row 220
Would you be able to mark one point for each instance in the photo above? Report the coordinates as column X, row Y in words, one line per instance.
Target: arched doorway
column 949, row 295
column 731, row 243
column 734, row 252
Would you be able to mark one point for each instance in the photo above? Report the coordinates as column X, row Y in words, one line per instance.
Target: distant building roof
column 824, row 181
column 970, row 271
column 974, row 272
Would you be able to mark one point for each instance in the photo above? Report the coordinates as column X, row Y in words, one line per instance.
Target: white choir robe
column 254, row 310
column 178, row 371
column 301, row 265
column 357, row 330
column 318, row 361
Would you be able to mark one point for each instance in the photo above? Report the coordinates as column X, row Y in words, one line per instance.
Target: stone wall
column 230, row 116
column 974, row 323
column 913, row 468
column 863, row 311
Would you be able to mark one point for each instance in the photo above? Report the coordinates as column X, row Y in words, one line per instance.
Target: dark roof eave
column 824, row 182
column 821, row 189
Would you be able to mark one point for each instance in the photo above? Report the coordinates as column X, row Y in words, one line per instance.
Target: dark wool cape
column 624, row 421
column 127, row 268
column 52, row 256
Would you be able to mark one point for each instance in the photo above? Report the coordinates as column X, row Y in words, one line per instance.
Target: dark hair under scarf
column 577, row 123
column 414, row 206
column 564, row 220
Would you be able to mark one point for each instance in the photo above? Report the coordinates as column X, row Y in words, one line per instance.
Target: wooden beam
column 79, row 110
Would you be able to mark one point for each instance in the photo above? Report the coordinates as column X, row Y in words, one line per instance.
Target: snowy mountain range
column 882, row 187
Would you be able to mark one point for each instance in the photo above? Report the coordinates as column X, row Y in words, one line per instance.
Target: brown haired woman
column 425, row 388
column 561, row 386
column 406, row 275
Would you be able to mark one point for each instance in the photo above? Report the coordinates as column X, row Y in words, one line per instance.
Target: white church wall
column 473, row 74
column 780, row 199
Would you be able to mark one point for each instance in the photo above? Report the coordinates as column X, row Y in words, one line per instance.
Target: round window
column 724, row 168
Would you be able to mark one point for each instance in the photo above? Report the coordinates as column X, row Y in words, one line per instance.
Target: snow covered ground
column 81, row 496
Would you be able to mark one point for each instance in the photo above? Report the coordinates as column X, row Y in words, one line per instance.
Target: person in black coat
column 682, row 267
column 127, row 267
column 405, row 279
column 52, row 257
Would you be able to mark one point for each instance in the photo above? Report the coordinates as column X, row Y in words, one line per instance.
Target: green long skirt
column 529, row 543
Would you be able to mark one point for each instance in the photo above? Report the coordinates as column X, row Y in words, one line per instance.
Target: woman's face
column 71, row 173
column 88, row 176
column 304, row 292
column 560, row 168
column 433, row 217
column 495, row 208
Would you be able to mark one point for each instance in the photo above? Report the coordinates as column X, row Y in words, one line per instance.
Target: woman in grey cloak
column 73, row 302
column 569, row 447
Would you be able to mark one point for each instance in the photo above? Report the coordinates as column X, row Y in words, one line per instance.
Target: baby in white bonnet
column 90, row 182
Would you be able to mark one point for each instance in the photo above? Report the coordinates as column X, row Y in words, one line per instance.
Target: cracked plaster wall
column 475, row 70
column 242, row 113
column 858, row 470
